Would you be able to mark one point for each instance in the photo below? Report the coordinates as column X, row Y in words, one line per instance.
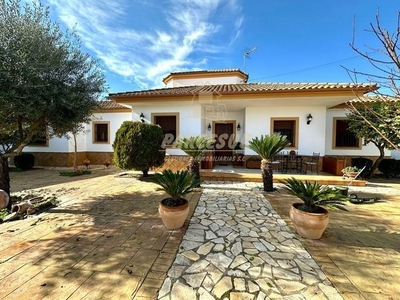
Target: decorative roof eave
column 108, row 106
column 116, row 110
column 194, row 92
column 367, row 100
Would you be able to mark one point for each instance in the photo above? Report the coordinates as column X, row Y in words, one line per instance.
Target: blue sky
column 141, row 41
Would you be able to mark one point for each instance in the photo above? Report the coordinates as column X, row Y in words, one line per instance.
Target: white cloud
column 179, row 36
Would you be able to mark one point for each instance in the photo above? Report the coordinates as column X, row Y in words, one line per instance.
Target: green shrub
column 24, row 161
column 389, row 167
column 137, row 146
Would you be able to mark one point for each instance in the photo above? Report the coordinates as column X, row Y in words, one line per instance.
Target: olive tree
column 137, row 146
column 46, row 82
column 375, row 130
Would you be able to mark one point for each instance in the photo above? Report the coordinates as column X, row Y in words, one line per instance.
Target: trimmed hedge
column 138, row 145
column 24, row 161
column 390, row 167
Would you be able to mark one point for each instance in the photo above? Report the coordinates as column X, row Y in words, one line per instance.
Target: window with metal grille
column 343, row 137
column 168, row 124
column 288, row 128
column 101, row 132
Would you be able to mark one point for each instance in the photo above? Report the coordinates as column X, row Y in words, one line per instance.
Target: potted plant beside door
column 175, row 209
column 309, row 218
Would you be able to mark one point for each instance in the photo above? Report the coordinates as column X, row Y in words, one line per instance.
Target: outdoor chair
column 313, row 162
column 293, row 162
column 278, row 163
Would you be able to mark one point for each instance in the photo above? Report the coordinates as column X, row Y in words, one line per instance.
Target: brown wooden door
column 223, row 145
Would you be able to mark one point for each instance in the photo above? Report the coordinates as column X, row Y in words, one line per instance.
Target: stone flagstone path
column 237, row 247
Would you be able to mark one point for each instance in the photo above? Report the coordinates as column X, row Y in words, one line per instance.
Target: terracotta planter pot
column 4, row 199
column 309, row 225
column 173, row 217
column 21, row 208
column 351, row 174
column 24, row 207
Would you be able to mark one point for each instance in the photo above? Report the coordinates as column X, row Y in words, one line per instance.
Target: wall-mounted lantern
column 309, row 119
column 142, row 118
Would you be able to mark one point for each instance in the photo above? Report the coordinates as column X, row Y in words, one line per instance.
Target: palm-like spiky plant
column 314, row 195
column 195, row 146
column 176, row 184
column 267, row 147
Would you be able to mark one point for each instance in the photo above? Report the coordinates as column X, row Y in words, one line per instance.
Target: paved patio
column 360, row 250
column 237, row 247
column 105, row 240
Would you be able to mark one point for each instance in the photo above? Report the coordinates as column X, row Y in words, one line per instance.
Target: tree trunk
column 145, row 173
column 267, row 176
column 75, row 152
column 5, row 178
column 194, row 167
column 381, row 156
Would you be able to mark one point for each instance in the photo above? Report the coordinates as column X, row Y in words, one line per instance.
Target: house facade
column 223, row 105
column 94, row 143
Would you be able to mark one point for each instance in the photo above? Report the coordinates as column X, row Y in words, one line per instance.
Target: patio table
column 293, row 163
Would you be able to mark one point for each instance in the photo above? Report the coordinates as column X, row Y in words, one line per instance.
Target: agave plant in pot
column 175, row 209
column 309, row 218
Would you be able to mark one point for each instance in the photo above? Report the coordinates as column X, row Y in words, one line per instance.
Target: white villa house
column 222, row 104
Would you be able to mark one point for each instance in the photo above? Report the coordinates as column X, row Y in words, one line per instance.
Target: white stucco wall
column 204, row 81
column 190, row 118
column 54, row 145
column 85, row 140
column 194, row 120
column 80, row 140
column 311, row 137
column 368, row 150
column 395, row 154
column 237, row 116
column 115, row 120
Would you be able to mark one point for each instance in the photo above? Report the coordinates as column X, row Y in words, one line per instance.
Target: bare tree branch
column 387, row 67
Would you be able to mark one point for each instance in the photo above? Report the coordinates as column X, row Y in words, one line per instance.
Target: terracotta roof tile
column 374, row 98
column 111, row 105
column 367, row 99
column 246, row 88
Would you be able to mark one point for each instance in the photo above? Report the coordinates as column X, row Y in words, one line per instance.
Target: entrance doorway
column 225, row 138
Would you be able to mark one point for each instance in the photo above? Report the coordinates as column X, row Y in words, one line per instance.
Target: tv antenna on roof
column 246, row 55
